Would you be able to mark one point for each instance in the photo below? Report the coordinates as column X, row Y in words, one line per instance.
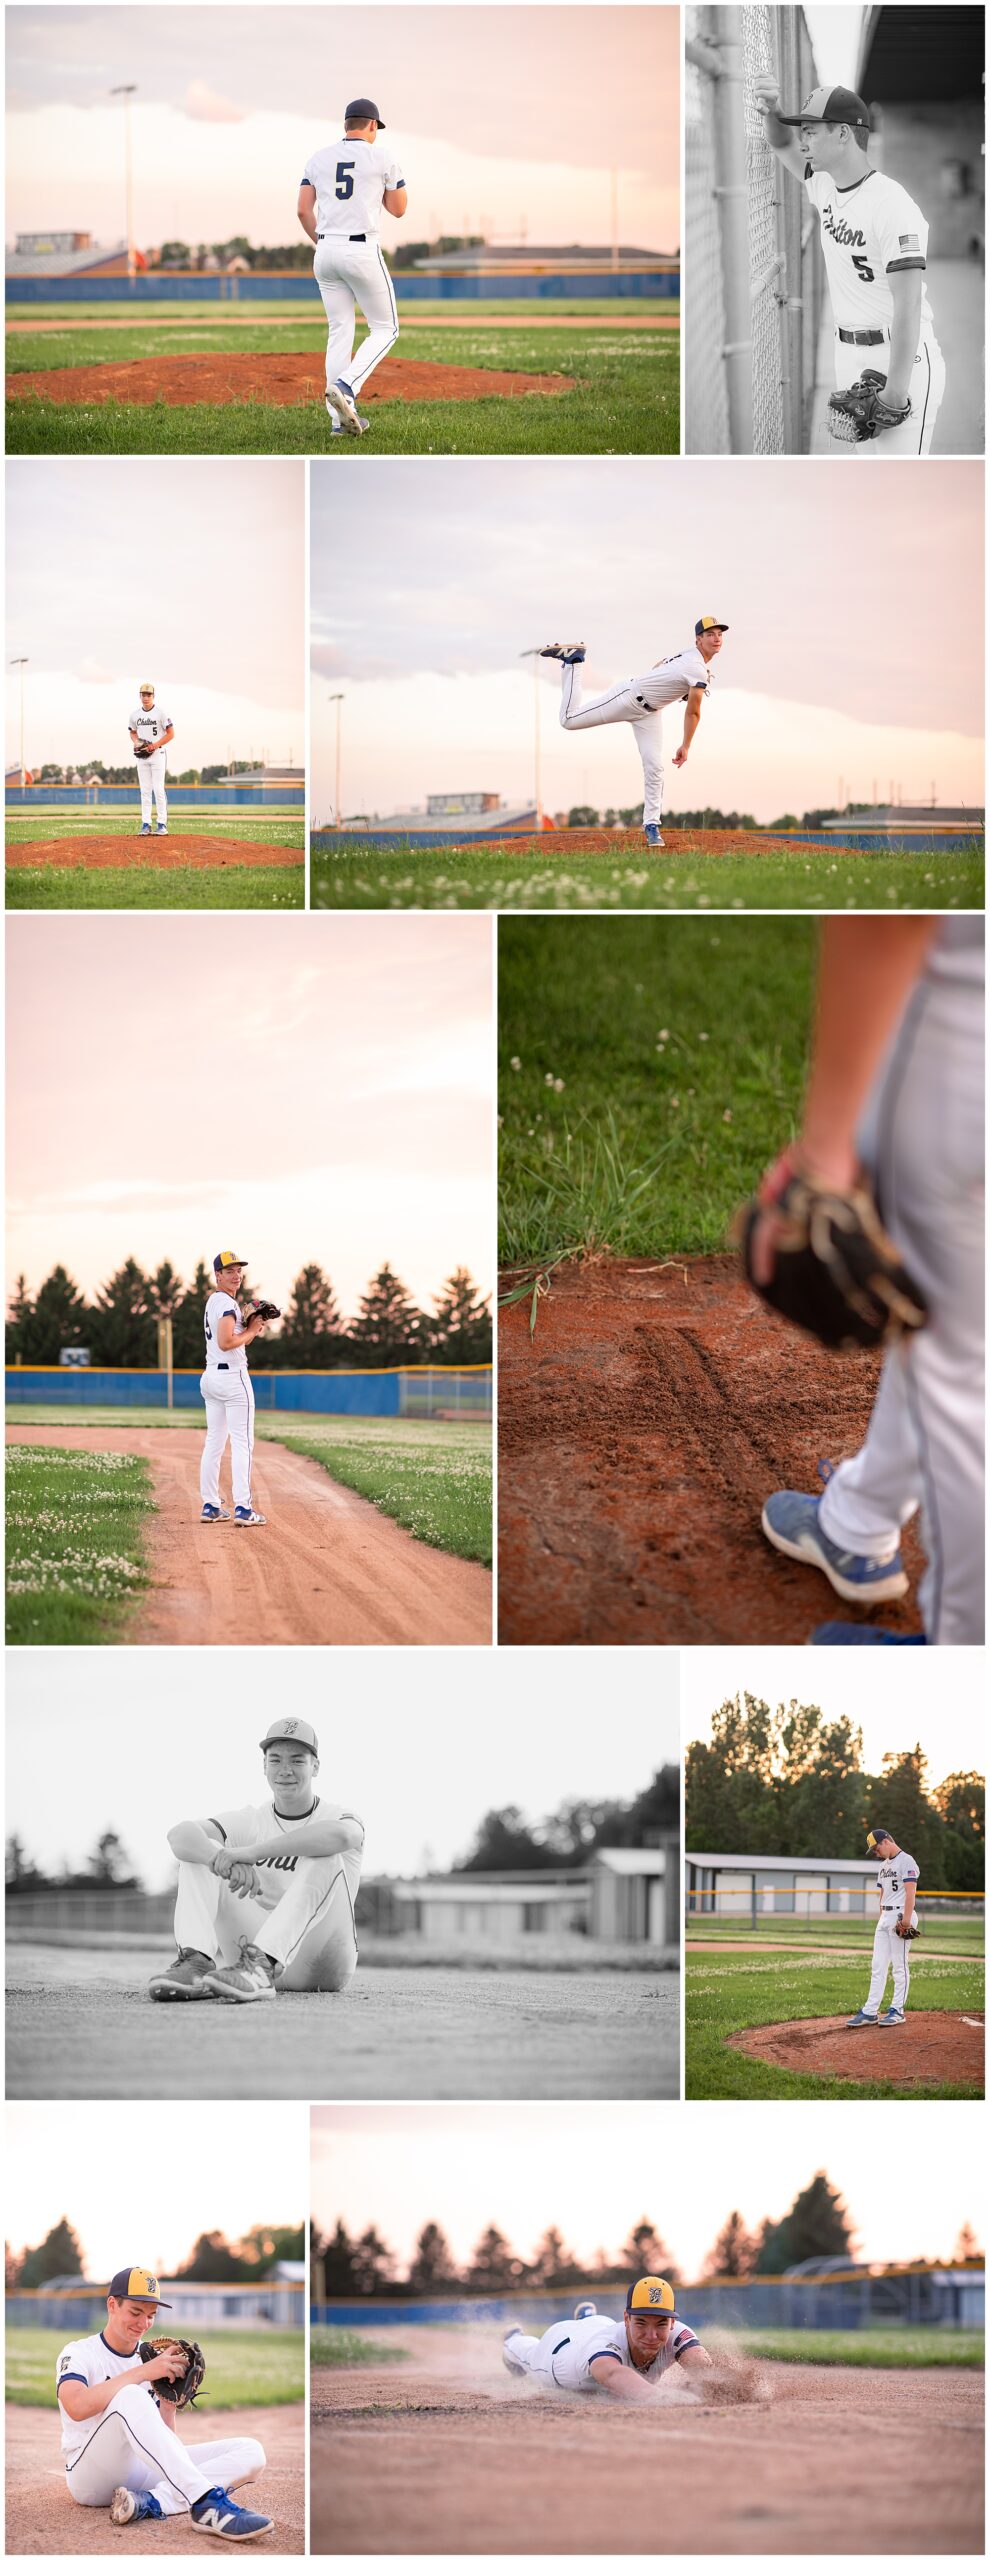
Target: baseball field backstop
column 857, row 2298
column 443, row 1395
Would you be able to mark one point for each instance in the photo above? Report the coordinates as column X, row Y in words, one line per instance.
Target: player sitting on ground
column 120, row 2442
column 625, row 2357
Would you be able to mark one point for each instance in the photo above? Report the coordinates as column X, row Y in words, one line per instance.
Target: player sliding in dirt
column 625, row 2357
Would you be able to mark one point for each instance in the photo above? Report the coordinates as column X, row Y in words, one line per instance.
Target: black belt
column 863, row 337
column 223, row 1364
column 356, row 235
column 643, row 704
column 352, row 236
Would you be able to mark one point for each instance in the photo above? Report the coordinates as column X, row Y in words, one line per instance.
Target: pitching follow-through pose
column 875, row 244
column 344, row 187
column 228, row 1395
column 269, row 1889
column 640, row 700
column 897, row 1885
column 121, row 2445
column 151, row 736
column 591, row 2352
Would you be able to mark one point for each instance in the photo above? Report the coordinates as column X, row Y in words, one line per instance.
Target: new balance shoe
column 841, row 1631
column 216, row 2513
column 791, row 1522
column 133, row 2506
column 861, row 2019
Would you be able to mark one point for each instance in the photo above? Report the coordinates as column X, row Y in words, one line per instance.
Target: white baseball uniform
column 228, row 1395
column 921, row 1138
column 151, row 726
column 640, row 701
column 350, row 178
column 128, row 2445
column 305, row 1918
column 870, row 231
column 567, row 2353
column 889, row 1951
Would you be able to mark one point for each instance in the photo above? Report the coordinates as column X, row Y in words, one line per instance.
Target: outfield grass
column 680, row 1049
column 626, row 397
column 257, row 2367
column 896, row 2349
column 74, row 1549
column 143, row 886
column 435, row 1479
column 362, row 875
column 248, row 314
column 346, row 2347
column 958, row 1933
column 726, row 1993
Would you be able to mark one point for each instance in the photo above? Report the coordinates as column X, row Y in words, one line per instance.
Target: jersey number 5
column 345, row 180
column 862, row 270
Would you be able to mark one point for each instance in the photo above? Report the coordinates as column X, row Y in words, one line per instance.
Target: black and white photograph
column 335, row 1889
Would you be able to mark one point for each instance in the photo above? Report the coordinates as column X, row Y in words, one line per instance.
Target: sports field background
column 543, row 878
column 148, row 884
column 248, row 2366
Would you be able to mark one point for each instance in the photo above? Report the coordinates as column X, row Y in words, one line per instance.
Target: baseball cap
column 229, row 1262
column 651, row 2293
column 708, row 623
column 291, row 1729
column 873, row 1838
column 831, row 106
column 137, row 2284
column 147, row 687
column 365, row 108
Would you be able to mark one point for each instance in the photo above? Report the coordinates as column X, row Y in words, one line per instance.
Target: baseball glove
column 263, row 1307
column 856, row 415
column 185, row 2385
column 836, row 1271
column 141, row 752
column 906, row 1928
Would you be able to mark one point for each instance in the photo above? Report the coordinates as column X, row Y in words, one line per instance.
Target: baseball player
column 625, row 2357
column 897, row 1885
column 269, row 1889
column 344, row 187
column 640, row 700
column 875, row 243
column 228, row 1395
column 896, row 1087
column 121, row 2445
column 151, row 736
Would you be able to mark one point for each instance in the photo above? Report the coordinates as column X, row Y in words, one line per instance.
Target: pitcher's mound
column 935, row 2045
column 282, row 382
column 146, row 853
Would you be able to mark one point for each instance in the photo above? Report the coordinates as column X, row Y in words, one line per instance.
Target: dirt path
column 328, row 1569
column 145, row 853
column 279, row 381
column 640, row 1431
column 241, row 315
column 935, row 2045
column 41, row 2515
column 464, row 2460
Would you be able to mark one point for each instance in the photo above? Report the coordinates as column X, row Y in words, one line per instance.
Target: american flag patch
column 908, row 240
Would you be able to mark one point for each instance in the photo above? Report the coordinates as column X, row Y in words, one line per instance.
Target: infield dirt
column 146, row 853
column 933, row 2046
column 446, row 2454
column 327, row 1569
column 279, row 381
column 641, row 1428
column 41, row 2516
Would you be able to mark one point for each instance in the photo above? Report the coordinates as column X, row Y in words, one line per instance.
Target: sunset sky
column 118, row 570
column 854, row 651
column 508, row 122
column 295, row 1089
column 420, row 1807
column 78, row 2161
column 466, row 2166
column 893, row 1704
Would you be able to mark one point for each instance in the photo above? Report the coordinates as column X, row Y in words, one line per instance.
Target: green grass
column 626, row 397
column 257, row 2367
column 74, row 1549
column 249, row 314
column 345, row 2347
column 961, row 1933
column 895, row 2349
column 510, row 879
column 651, row 1142
column 727, row 1993
column 144, row 887
column 434, row 1478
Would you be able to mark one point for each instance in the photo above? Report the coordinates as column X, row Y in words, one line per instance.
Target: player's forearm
column 319, row 1838
column 691, row 718
column 307, row 216
column 621, row 2383
column 867, row 968
column 89, row 2399
column 190, row 1843
column 910, row 1891
column 904, row 329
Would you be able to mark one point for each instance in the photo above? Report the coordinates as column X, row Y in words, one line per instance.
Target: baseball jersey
column 350, row 178
column 869, row 231
column 88, row 2360
column 243, row 1829
column 675, row 678
column 220, row 1303
column 956, row 956
column 892, row 1875
column 150, row 725
column 591, row 2339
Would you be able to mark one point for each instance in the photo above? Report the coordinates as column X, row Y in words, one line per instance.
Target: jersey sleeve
column 238, row 1829
column 393, row 176
column 901, row 231
column 307, row 179
column 69, row 2364
column 814, row 180
column 908, row 1868
column 685, row 2338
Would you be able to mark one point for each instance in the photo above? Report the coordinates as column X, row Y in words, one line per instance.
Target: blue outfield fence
column 207, row 798
column 448, row 1394
column 576, row 284
column 863, row 2298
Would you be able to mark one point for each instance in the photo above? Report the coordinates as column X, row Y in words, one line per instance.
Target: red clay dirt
column 41, row 2515
column 628, row 842
column 641, row 1429
column 932, row 2046
column 281, row 382
column 328, row 1569
column 144, row 853
column 419, row 2458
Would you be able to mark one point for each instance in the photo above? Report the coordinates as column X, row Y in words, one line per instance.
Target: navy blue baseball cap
column 366, row 109
column 137, row 2284
column 831, row 106
column 708, row 623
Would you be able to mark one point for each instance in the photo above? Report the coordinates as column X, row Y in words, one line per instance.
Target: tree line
column 784, row 1780
column 576, row 1830
column 212, row 2260
column 721, row 821
column 119, row 1326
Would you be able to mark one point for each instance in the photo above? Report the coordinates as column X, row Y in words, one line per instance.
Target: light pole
column 127, row 91
column 536, row 654
column 21, row 663
column 338, row 699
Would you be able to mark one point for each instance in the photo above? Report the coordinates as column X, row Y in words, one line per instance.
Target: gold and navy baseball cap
column 229, row 1262
column 831, row 106
column 708, row 623
column 146, row 687
column 291, row 1729
column 137, row 2284
column 651, row 2294
column 364, row 108
column 875, row 1839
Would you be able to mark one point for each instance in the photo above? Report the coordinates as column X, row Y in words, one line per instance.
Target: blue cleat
column 790, row 1521
column 861, row 2019
column 341, row 404
column 586, row 2311
column 244, row 1519
column 133, row 2506
column 569, row 651
column 840, row 1631
column 145, row 831
column 212, row 1511
column 653, row 836
column 892, row 2018
column 216, row 2513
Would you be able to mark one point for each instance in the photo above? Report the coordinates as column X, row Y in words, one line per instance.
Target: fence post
column 753, row 1917
column 732, row 192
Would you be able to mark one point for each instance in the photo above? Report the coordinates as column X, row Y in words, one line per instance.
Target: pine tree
column 123, row 1329
column 432, row 2269
column 313, row 1334
column 58, row 1319
column 58, row 2255
column 188, row 1347
column 387, row 1332
column 460, row 1330
column 494, row 2267
column 733, row 2253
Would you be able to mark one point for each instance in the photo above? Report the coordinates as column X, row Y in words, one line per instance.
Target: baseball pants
column 621, row 702
column 229, row 1399
column 554, row 2357
column 889, row 1953
column 132, row 2448
column 309, row 1931
column 352, row 277
column 151, row 781
column 922, row 1139
column 914, row 435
